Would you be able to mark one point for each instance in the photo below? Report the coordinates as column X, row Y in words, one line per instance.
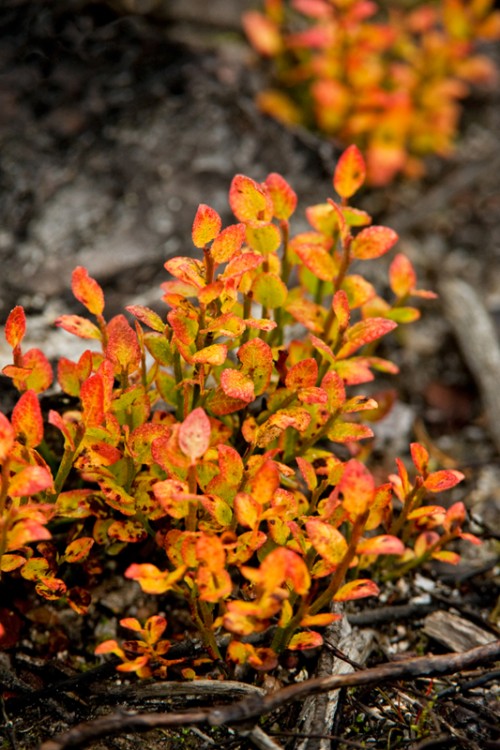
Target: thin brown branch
column 255, row 706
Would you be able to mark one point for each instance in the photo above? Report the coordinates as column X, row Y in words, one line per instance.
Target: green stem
column 193, row 490
column 199, row 611
column 178, row 379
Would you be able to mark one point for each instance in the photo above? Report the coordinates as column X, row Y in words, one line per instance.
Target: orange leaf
column 79, row 549
column 302, row 375
column 237, row 385
column 206, row 226
column 215, row 354
column 263, row 33
column 381, row 545
column 356, row 590
column 307, row 471
column 78, row 326
column 327, row 541
column 373, row 242
column 363, row 333
column 256, row 358
column 152, row 580
column 420, row 458
column 402, row 276
column 147, row 316
column 29, row 481
column 317, row 260
column 194, row 434
column 349, row 432
column 265, row 482
column 36, row 371
column 350, row 172
column 247, row 510
column 127, row 531
column 357, row 487
column 439, row 481
column 296, row 417
column 250, row 202
column 333, row 384
column 92, row 399
column 228, row 243
column 302, row 641
column 188, row 270
column 283, row 197
column 15, row 326
column 27, row 419
column 123, row 348
column 319, row 621
column 87, row 291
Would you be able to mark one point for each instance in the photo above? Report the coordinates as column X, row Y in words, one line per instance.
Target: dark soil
column 113, row 128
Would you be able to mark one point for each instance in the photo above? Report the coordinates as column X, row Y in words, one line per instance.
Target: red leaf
column 15, row 326
column 283, row 197
column 363, row 333
column 237, row 385
column 356, row 590
column 206, row 226
column 6, row 437
column 87, row 291
column 439, row 481
column 350, row 172
column 373, row 242
column 194, row 434
column 27, row 419
column 250, row 202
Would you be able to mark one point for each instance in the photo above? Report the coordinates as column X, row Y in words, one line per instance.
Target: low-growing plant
column 384, row 76
column 220, row 447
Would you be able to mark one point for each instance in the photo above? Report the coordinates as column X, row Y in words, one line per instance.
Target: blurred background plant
column 388, row 76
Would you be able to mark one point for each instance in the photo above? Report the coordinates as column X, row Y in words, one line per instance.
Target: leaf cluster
column 224, row 435
column 380, row 75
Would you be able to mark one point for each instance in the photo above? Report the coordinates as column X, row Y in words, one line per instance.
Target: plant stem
column 338, row 577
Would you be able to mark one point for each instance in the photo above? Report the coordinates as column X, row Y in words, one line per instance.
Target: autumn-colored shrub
column 220, row 447
column 383, row 75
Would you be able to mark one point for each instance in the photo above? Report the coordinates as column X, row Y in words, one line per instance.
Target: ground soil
column 114, row 126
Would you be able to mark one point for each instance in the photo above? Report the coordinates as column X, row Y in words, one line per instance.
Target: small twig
column 483, row 679
column 258, row 705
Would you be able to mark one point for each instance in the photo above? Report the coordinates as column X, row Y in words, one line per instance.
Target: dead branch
column 255, row 706
column 477, row 338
